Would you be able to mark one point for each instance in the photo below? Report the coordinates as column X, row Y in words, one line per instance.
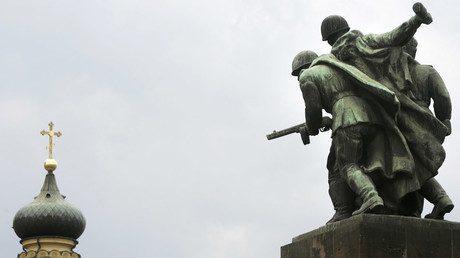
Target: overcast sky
column 164, row 107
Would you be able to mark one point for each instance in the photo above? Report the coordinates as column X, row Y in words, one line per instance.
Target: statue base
column 370, row 235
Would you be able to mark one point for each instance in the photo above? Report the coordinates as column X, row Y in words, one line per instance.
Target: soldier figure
column 386, row 143
column 428, row 85
column 379, row 57
column 375, row 54
column 355, row 122
column 342, row 197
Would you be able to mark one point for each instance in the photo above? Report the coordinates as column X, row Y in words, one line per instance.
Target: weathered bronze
column 300, row 128
column 386, row 143
column 302, row 61
column 326, row 123
column 428, row 85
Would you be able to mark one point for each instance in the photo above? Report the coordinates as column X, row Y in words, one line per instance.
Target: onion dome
column 49, row 215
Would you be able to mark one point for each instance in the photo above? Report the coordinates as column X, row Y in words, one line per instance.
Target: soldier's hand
column 422, row 13
column 304, row 135
column 312, row 131
column 326, row 124
column 448, row 125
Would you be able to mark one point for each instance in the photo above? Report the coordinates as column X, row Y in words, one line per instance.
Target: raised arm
column 401, row 35
column 313, row 107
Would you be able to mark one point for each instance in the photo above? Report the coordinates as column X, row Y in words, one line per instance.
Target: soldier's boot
column 435, row 194
column 343, row 199
column 363, row 186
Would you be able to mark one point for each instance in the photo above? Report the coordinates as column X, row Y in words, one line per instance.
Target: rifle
column 300, row 128
column 326, row 124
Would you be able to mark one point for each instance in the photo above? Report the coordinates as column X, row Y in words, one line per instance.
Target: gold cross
column 51, row 133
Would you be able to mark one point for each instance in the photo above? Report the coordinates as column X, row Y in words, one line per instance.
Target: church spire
column 49, row 226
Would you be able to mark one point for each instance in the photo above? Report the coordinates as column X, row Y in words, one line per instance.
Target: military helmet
column 302, row 61
column 333, row 24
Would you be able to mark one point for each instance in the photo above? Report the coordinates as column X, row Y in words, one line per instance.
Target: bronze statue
column 386, row 143
column 342, row 197
column 357, row 127
column 380, row 58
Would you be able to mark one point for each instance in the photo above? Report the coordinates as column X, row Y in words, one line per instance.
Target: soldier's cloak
column 408, row 128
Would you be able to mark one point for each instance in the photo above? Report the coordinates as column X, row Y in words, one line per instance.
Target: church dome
column 49, row 215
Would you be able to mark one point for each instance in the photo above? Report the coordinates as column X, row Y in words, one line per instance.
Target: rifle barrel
column 284, row 132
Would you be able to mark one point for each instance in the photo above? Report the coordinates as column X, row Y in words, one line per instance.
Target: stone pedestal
column 378, row 236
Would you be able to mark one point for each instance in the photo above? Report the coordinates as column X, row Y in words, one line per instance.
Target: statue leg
column 435, row 194
column 363, row 186
column 350, row 143
column 342, row 197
